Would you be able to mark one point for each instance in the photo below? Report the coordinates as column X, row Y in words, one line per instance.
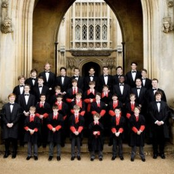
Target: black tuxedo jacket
column 36, row 92
column 129, row 79
column 29, row 82
column 148, row 83
column 87, row 80
column 142, row 95
column 80, row 82
column 8, row 117
column 151, row 96
column 66, row 85
column 16, row 91
column 51, row 80
column 102, row 83
column 126, row 92
column 116, row 79
column 160, row 116
column 22, row 102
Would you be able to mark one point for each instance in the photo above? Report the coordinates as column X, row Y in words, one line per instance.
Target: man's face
column 138, row 82
column 154, row 84
column 42, row 98
column 158, row 97
column 133, row 66
column 105, row 71
column 91, row 71
column 119, row 71
column 22, row 80
column 63, row 72
column 12, row 99
column 47, row 67
column 33, row 74
column 40, row 81
column 121, row 79
column 76, row 72
column 144, row 74
column 27, row 89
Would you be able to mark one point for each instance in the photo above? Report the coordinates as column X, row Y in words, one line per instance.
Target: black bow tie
column 133, row 71
column 40, row 86
column 33, row 78
column 121, row 84
column 91, row 76
column 76, row 76
column 138, row 88
column 11, row 103
column 154, row 89
column 26, row 94
column 105, row 75
column 158, row 101
column 21, row 85
column 47, row 71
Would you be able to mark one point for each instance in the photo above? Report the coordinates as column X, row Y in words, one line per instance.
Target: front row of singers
column 54, row 123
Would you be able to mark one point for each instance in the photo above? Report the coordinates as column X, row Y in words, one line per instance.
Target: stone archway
column 48, row 15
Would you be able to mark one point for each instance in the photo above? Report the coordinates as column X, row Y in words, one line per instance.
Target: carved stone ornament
column 5, row 4
column 6, row 26
column 170, row 3
column 167, row 26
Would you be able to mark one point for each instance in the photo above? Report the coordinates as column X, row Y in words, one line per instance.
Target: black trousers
column 13, row 141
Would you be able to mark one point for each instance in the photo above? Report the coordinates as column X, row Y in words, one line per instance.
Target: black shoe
column 6, row 155
column 92, row 158
column 162, row 156
column 143, row 159
column 78, row 158
column 132, row 159
column 155, row 156
column 35, row 158
column 14, row 155
column 50, row 158
column 72, row 158
column 121, row 158
column 113, row 157
column 58, row 158
column 100, row 158
column 28, row 157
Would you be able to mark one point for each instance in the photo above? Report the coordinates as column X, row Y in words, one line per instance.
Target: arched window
column 104, row 32
column 77, row 32
column 97, row 32
column 84, row 32
column 91, row 32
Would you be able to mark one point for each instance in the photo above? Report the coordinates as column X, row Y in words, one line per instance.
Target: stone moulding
column 91, row 53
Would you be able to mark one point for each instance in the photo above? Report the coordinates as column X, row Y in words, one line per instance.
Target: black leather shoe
column 121, row 158
column 113, row 157
column 35, row 158
column 28, row 157
column 132, row 159
column 6, row 155
column 72, row 158
column 92, row 159
column 78, row 158
column 14, row 155
column 162, row 156
column 155, row 156
column 58, row 158
column 100, row 158
column 143, row 159
column 50, row 158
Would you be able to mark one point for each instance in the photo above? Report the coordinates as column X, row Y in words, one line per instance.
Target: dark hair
column 62, row 68
column 134, row 63
column 144, row 70
column 119, row 67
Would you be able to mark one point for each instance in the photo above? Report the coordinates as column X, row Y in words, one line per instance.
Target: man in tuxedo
column 19, row 89
column 25, row 100
column 90, row 78
column 119, row 73
column 49, row 77
column 140, row 95
column 40, row 89
column 151, row 92
column 122, row 90
column 63, row 81
column 159, row 112
column 146, row 82
column 32, row 80
column 80, row 80
column 105, row 79
column 132, row 75
column 10, row 117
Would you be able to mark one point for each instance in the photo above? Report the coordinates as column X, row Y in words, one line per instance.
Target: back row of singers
column 119, row 83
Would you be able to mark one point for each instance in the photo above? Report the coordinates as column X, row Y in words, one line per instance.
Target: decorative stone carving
column 91, row 53
column 5, row 4
column 6, row 26
column 170, row 3
column 167, row 26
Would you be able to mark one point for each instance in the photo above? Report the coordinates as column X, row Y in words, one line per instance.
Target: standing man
column 63, row 81
column 147, row 83
column 132, row 75
column 48, row 77
column 91, row 78
column 119, row 73
column 159, row 112
column 10, row 117
column 105, row 79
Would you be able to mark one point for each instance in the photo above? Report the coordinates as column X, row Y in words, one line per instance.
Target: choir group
column 45, row 109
